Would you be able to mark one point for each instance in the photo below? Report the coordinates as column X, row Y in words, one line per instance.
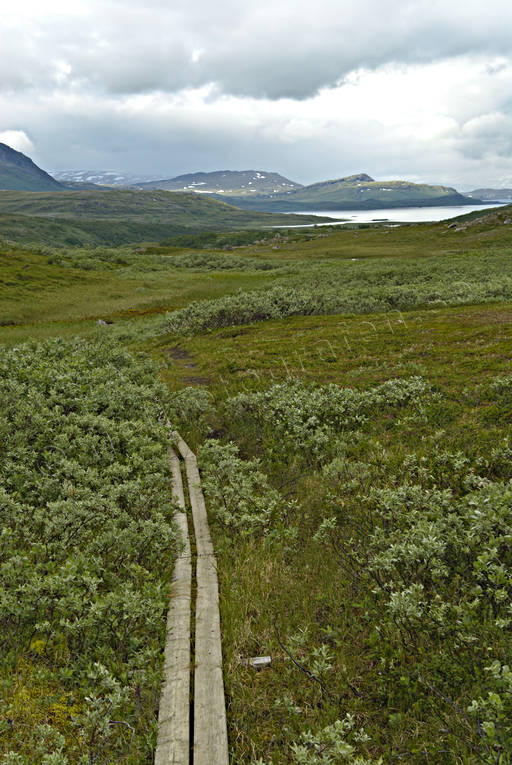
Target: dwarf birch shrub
column 103, row 258
column 192, row 407
column 241, row 308
column 501, row 385
column 87, row 538
column 425, row 552
column 335, row 743
column 213, row 261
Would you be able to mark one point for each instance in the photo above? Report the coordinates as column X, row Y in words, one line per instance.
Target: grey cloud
column 273, row 49
column 485, row 134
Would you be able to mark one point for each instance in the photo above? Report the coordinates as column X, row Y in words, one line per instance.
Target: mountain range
column 353, row 192
column 227, row 183
column 253, row 190
column 99, row 178
column 265, row 191
column 271, row 192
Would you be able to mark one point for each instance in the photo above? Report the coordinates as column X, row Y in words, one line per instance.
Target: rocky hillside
column 227, row 183
column 19, row 173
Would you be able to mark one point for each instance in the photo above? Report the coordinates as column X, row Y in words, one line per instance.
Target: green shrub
column 352, row 288
column 192, row 408
column 239, row 495
column 87, row 539
column 310, row 419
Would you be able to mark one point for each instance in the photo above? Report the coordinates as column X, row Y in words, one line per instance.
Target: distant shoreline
column 396, row 215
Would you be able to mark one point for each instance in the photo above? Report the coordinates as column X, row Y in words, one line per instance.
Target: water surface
column 396, row 214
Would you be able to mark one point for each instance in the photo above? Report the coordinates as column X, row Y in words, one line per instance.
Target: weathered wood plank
column 173, row 744
column 210, row 726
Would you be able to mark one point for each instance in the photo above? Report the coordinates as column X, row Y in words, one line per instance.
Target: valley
column 347, row 393
column 256, row 383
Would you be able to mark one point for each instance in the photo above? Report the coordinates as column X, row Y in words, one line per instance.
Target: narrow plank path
column 173, row 744
column 209, row 744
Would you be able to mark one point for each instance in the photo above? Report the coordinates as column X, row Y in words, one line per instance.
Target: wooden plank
column 173, row 744
column 210, row 726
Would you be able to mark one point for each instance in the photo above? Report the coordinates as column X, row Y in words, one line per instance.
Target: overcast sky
column 415, row 89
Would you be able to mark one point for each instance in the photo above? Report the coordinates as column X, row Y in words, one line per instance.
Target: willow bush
column 86, row 551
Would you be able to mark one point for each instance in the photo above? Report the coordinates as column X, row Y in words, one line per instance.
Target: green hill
column 123, row 216
column 19, row 172
column 354, row 192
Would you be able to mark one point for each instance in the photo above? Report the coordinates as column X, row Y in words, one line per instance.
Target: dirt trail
column 186, row 361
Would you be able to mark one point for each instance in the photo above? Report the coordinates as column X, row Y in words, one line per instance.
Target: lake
column 395, row 215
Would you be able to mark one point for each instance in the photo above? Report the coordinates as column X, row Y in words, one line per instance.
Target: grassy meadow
column 117, row 217
column 349, row 393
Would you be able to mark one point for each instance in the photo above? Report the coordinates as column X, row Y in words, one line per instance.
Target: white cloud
column 18, row 140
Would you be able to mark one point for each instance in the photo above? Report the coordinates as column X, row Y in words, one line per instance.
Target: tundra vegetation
column 87, row 543
column 116, row 217
column 349, row 395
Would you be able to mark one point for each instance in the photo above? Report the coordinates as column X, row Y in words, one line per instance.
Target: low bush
column 392, row 601
column 311, row 419
column 86, row 551
column 239, row 495
column 352, row 288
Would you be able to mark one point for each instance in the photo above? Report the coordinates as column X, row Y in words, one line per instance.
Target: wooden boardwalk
column 192, row 732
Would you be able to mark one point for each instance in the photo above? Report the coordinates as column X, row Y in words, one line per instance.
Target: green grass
column 35, row 289
column 457, row 350
column 287, row 583
column 38, row 288
column 449, row 345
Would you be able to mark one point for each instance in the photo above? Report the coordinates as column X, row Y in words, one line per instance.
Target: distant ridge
column 226, row 182
column 19, row 173
column 353, row 192
column 489, row 195
column 121, row 216
column 97, row 178
column 349, row 179
column 263, row 191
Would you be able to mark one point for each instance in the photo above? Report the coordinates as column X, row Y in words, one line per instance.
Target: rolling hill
column 123, row 216
column 18, row 172
column 353, row 192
